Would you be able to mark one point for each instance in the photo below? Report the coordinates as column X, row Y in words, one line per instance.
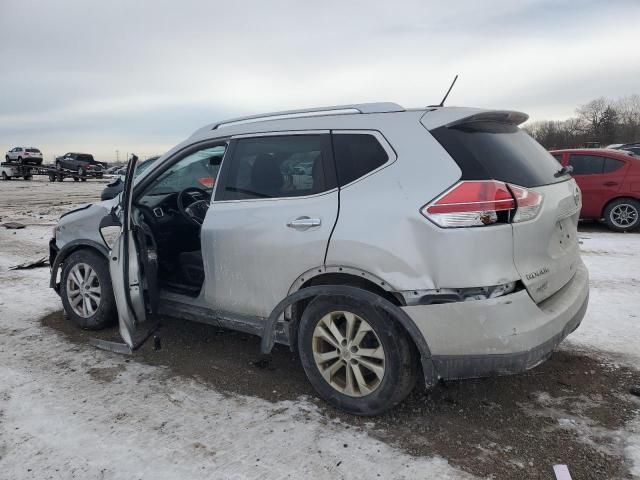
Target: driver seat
column 192, row 267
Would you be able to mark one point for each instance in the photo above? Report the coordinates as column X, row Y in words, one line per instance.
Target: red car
column 610, row 184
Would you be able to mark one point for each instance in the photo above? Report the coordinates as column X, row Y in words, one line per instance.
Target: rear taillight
column 528, row 203
column 480, row 203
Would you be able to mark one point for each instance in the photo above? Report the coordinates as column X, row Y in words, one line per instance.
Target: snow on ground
column 78, row 412
column 612, row 322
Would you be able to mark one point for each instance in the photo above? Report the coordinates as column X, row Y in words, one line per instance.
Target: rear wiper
column 563, row 171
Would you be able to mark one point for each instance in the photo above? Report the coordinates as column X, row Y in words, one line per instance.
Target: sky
column 141, row 76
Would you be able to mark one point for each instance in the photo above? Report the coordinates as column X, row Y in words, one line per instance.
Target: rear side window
column 611, row 165
column 586, row 164
column 357, row 154
column 85, row 158
column 500, row 151
column 279, row 167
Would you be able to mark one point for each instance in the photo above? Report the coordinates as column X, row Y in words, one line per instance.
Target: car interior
column 170, row 213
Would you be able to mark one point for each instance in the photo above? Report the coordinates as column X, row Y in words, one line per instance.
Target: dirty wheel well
column 335, row 279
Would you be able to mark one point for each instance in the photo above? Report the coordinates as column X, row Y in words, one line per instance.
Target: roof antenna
column 441, row 104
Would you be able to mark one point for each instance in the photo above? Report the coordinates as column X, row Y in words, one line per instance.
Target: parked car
column 24, row 155
column 630, row 147
column 82, row 163
column 610, row 183
column 379, row 243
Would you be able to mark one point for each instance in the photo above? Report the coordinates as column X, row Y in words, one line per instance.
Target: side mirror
column 110, row 229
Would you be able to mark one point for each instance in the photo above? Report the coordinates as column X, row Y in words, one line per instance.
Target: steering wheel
column 193, row 204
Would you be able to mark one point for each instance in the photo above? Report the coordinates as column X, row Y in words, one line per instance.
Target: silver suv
column 379, row 242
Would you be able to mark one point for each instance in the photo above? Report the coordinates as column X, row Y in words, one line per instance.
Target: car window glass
column 199, row 170
column 356, row 155
column 277, row 166
column 586, row 164
column 611, row 165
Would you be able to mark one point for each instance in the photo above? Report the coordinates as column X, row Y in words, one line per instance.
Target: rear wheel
column 76, row 179
column 622, row 215
column 81, row 171
column 356, row 357
column 52, row 177
column 86, row 292
column 27, row 177
column 20, row 160
column 6, row 158
column 84, row 179
column 5, row 176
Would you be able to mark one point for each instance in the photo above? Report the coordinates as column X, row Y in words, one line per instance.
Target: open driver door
column 133, row 267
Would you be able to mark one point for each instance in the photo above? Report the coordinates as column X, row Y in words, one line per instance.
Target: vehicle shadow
column 568, row 410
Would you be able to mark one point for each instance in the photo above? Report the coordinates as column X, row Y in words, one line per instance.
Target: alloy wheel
column 83, row 290
column 624, row 215
column 348, row 353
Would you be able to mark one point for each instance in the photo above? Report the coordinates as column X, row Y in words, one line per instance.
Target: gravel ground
column 575, row 409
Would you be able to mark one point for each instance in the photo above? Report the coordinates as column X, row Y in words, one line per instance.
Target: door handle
column 610, row 184
column 304, row 223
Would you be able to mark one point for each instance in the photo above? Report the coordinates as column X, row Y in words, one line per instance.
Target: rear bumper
column 505, row 335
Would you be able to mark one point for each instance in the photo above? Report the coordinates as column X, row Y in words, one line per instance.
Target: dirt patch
column 105, row 374
column 569, row 410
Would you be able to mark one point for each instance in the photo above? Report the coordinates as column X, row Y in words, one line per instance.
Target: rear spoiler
column 504, row 116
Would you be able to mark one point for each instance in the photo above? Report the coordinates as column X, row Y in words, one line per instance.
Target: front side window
column 586, row 164
column 278, row 167
column 199, row 170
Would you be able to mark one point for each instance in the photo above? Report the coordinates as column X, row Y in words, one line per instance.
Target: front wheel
column 86, row 292
column 6, row 158
column 5, row 176
column 356, row 357
column 622, row 215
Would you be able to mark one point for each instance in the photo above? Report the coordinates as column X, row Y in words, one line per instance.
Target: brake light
column 207, row 182
column 528, row 202
column 483, row 202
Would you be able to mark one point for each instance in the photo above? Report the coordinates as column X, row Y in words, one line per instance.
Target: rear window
column 357, row 154
column 33, row 150
column 500, row 151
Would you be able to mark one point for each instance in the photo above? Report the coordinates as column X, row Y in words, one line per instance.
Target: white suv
column 24, row 155
column 379, row 242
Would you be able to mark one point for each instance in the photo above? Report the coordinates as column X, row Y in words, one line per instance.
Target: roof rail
column 380, row 107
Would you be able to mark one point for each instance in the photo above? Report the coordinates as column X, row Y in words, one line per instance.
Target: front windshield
column 199, row 169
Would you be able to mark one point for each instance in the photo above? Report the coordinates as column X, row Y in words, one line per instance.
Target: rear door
column 600, row 179
column 275, row 206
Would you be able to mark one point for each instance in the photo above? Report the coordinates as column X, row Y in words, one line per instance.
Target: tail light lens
column 481, row 203
column 528, row 202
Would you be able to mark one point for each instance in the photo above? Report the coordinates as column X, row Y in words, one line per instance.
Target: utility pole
column 117, row 156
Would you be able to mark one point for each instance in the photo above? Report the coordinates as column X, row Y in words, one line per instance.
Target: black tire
column 19, row 160
column 52, row 177
column 76, row 179
column 6, row 157
column 106, row 313
column 58, row 166
column 401, row 363
column 5, row 177
column 27, row 177
column 622, row 206
column 83, row 179
column 81, row 171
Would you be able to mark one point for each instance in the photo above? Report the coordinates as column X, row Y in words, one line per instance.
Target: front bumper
column 505, row 335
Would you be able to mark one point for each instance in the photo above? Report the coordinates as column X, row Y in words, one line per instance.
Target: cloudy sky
column 101, row 76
